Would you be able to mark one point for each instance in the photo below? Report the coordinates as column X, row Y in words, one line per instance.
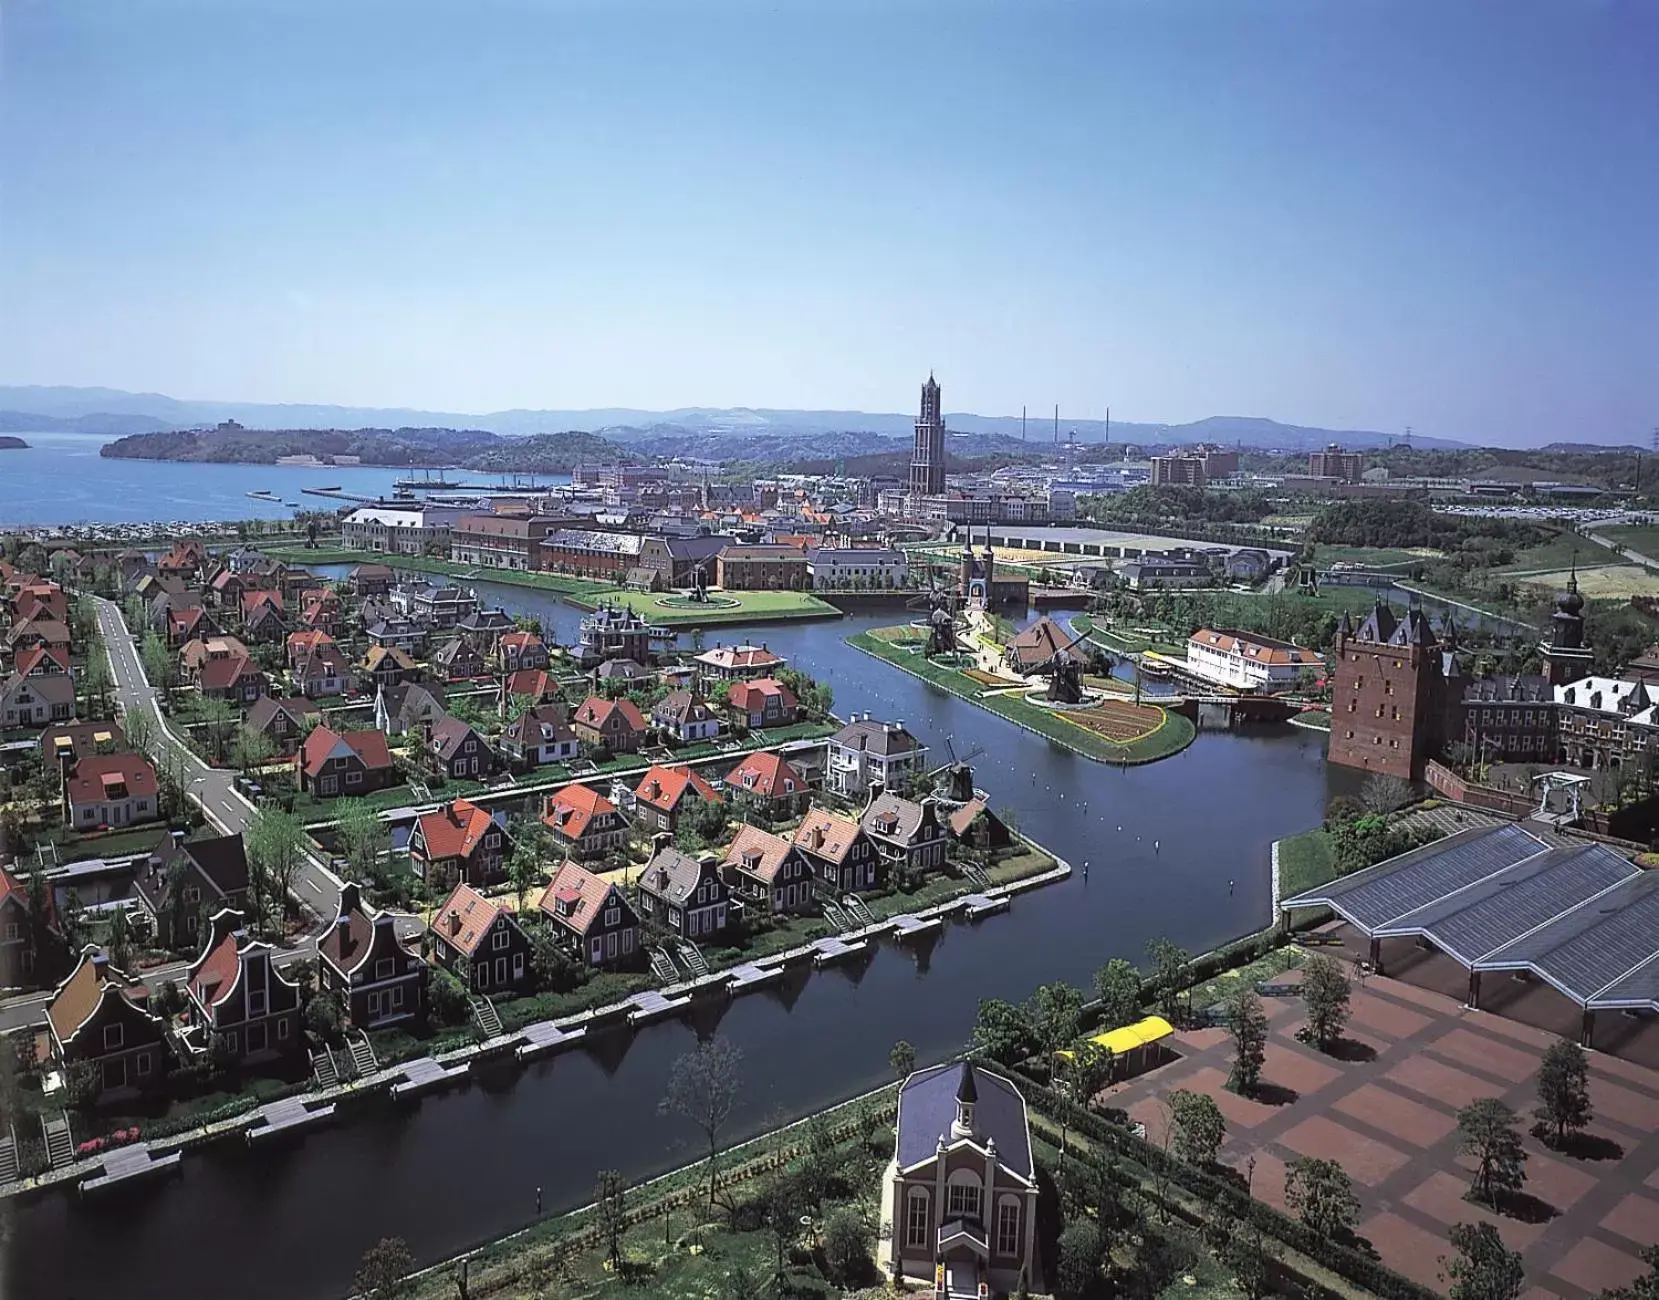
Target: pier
column 288, row 1115
column 126, row 1163
column 425, row 1074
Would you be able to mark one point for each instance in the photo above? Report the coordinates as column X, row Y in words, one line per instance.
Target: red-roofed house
column 481, row 942
column 584, row 822
column 768, row 873
column 842, row 855
column 110, row 790
column 664, row 792
column 378, row 980
column 593, row 915
column 262, row 616
column 30, row 952
column 768, row 779
column 527, row 686
column 43, row 661
column 303, row 643
column 617, row 725
column 734, row 662
column 237, row 994
column 519, row 651
column 189, row 622
column 353, row 762
column 237, row 679
column 460, row 841
column 763, row 702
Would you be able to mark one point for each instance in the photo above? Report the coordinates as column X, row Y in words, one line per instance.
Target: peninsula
column 8, row 443
column 231, row 443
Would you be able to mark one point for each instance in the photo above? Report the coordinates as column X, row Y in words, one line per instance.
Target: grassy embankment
column 901, row 647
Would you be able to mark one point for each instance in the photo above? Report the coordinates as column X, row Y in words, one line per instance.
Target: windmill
column 958, row 773
column 940, row 605
column 1064, row 670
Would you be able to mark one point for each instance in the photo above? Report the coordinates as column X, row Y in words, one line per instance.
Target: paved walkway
column 1385, row 1106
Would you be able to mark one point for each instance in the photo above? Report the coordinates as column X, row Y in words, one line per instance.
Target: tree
column 1564, row 1089
column 1002, row 1031
column 324, row 1017
column 159, row 665
column 610, row 1208
column 1247, row 1257
column 1082, row 1250
column 362, row 835
column 140, row 728
column 1199, row 1126
column 1321, row 1193
column 275, row 843
column 846, row 1249
column 383, row 1272
column 1382, row 793
column 1488, row 1132
column 1484, row 1269
column 119, row 940
column 902, row 1058
column 1325, row 994
column 1248, row 1023
column 96, row 683
column 1054, row 1013
column 556, row 971
column 1645, row 1287
column 524, row 866
column 702, row 1087
column 1088, row 1070
column 786, row 1198
column 251, row 749
column 1118, row 986
column 1169, row 971
column 218, row 717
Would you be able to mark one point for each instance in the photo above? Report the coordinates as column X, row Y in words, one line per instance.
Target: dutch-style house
column 868, row 751
column 110, row 790
column 960, row 1194
column 413, row 706
column 352, row 762
column 768, row 781
column 36, row 701
column 684, row 718
column 43, row 661
column 975, row 825
column 484, row 627
column 320, row 610
column 183, row 881
column 457, row 751
column 764, row 702
column 262, row 617
column 728, row 663
column 385, row 667
column 69, row 741
column 528, row 686
column 195, row 655
column 396, row 633
column 321, row 672
column 458, row 660
column 842, row 856
column 100, row 1016
column 302, row 644
column 460, row 841
column 481, row 943
column 664, row 793
column 584, row 823
column 684, row 894
column 369, row 580
column 188, row 622
column 539, row 736
column 283, row 721
column 907, row 834
column 593, row 916
column 378, row 980
column 237, row 994
column 518, row 651
column 236, row 679
column 32, row 950
column 766, row 871
column 617, row 725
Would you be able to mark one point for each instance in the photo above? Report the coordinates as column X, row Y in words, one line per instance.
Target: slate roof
column 672, row 874
column 448, row 733
column 927, row 1108
column 222, row 859
column 262, row 712
column 680, row 709
column 871, row 736
column 545, row 724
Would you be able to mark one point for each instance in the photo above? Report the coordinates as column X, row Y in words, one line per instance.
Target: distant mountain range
column 711, row 433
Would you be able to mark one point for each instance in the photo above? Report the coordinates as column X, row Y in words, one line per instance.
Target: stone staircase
column 324, row 1073
column 692, row 957
column 60, row 1145
column 663, row 967
column 837, row 915
column 856, row 909
column 975, row 875
column 489, row 1020
column 363, row 1063
column 8, row 1156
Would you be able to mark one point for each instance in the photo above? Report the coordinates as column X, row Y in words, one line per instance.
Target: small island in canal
column 9, row 443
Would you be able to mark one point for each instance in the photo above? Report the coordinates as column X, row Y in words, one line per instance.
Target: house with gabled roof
column 100, row 1016
column 593, row 916
column 237, row 679
column 481, row 942
column 262, row 618
column 370, row 580
column 410, row 706
column 617, row 725
column 528, row 686
column 72, row 740
column 234, row 992
column 194, row 654
column 378, row 978
column 36, row 701
column 683, row 894
column 187, row 622
column 384, row 667
column 305, row 642
column 43, row 661
column 870, row 751
column 321, row 610
column 907, row 834
column 111, row 790
column 766, row 871
column 183, row 881
column 457, row 751
column 663, row 793
column 395, row 633
column 519, row 650
column 584, row 823
column 459, row 841
column 959, row 1197
column 769, row 780
column 843, row 857
column 321, row 672
column 763, row 702
column 458, row 660
column 684, row 718
column 26, row 632
column 31, row 951
column 282, row 720
column 539, row 736
column 975, row 825
column 332, row 763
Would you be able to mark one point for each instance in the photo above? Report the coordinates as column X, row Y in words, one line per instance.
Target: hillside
column 414, row 447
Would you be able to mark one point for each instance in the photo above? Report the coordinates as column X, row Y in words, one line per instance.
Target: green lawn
column 750, row 606
column 1175, row 734
column 1562, row 551
column 1638, row 537
column 1306, row 860
column 1370, row 557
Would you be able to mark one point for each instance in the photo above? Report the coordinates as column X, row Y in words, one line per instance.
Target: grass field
column 751, row 606
column 1306, row 860
column 1560, row 553
column 1172, row 734
column 1609, row 582
column 1372, row 557
column 1638, row 537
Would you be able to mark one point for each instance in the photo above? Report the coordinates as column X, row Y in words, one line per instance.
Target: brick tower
column 1389, row 694
column 927, row 457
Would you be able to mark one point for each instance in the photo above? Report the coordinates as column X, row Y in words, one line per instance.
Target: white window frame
column 113, row 1035
column 1008, row 1225
column 916, row 1219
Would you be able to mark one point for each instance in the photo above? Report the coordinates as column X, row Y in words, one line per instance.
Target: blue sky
column 1362, row 214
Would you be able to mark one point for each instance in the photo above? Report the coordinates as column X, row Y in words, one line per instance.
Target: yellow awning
column 1139, row 1034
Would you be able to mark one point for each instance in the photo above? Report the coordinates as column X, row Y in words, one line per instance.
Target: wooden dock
column 651, row 1005
column 125, row 1163
column 424, row 1075
column 906, row 926
column 286, row 1116
column 975, row 906
column 832, row 949
column 544, row 1036
column 749, row 975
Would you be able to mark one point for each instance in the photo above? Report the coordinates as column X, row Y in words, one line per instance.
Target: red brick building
column 1391, row 699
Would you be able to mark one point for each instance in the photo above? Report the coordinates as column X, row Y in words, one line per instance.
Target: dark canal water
column 1162, row 843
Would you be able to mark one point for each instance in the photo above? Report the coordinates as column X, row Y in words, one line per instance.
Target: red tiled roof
column 455, row 830
column 533, row 682
column 826, row 834
column 251, row 600
column 30, row 659
column 766, row 774
column 740, row 656
column 216, row 970
column 97, row 773
column 664, row 787
column 323, row 744
column 464, row 918
column 757, row 853
column 519, row 641
column 582, row 893
column 751, row 696
column 573, row 808
column 596, row 710
column 221, row 674
column 310, row 639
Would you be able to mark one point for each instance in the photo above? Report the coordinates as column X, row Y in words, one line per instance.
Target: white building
column 838, row 568
column 1246, row 661
column 868, row 749
column 400, row 530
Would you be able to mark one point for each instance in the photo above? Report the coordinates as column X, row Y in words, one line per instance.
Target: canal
column 1179, row 848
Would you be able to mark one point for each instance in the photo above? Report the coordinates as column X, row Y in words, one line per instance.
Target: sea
column 61, row 479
